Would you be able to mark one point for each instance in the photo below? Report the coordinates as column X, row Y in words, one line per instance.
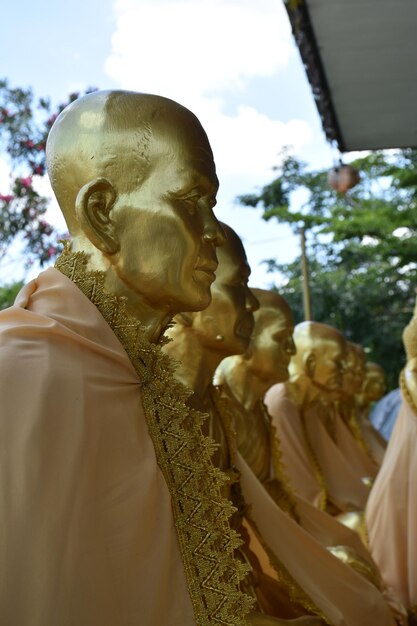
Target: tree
column 24, row 126
column 8, row 294
column 362, row 248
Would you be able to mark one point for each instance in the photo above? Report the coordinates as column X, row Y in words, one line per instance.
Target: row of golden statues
column 174, row 451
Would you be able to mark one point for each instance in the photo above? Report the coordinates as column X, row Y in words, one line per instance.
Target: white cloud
column 204, row 54
column 248, row 144
column 199, row 52
column 54, row 216
column 187, row 49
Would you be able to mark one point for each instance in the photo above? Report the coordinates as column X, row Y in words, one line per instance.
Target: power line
column 260, row 241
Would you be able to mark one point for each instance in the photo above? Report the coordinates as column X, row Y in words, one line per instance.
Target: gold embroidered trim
column 318, row 473
column 224, row 408
column 355, row 429
column 406, row 393
column 201, row 515
column 286, row 500
column 357, row 433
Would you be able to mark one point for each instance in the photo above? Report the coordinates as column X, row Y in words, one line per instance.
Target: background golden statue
column 312, row 575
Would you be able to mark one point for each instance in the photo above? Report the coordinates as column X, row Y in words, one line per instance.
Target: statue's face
column 166, row 228
column 354, row 370
column 272, row 346
column 374, row 384
column 359, row 371
column 226, row 325
column 329, row 367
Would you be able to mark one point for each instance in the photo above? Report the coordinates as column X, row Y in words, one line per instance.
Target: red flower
column 26, row 182
column 6, row 198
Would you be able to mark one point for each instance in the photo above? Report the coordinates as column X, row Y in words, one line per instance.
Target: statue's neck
column 306, row 392
column 247, row 388
column 363, row 402
column 154, row 319
column 196, row 364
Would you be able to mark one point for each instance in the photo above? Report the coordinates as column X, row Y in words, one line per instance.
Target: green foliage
column 8, row 294
column 362, row 248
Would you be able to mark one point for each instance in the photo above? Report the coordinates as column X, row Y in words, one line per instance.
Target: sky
column 232, row 62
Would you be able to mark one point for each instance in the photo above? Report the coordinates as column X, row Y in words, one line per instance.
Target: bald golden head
column 320, row 355
column 373, row 386
column 135, row 178
column 354, row 371
column 272, row 344
column 116, row 135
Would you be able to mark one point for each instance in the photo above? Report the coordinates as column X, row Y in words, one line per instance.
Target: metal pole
column 304, row 269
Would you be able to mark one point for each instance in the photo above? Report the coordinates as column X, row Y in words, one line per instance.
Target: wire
column 260, row 241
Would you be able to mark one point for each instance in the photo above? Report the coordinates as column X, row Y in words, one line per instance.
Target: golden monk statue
column 243, row 380
column 303, row 411
column 347, row 431
column 391, row 513
column 311, row 574
column 199, row 344
column 372, row 389
column 111, row 511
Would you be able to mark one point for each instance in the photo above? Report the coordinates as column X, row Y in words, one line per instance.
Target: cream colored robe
column 374, row 441
column 86, row 527
column 391, row 513
column 352, row 450
column 344, row 596
column 286, row 419
column 341, row 593
column 342, row 478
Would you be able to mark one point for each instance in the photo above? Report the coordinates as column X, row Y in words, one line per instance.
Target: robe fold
column 391, row 513
column 343, row 595
column 87, row 535
column 295, row 456
column 341, row 476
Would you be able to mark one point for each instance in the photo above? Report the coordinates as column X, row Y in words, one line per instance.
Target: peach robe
column 343, row 595
column 391, row 513
column 86, row 528
column 342, row 478
column 352, row 450
column 295, row 456
column 375, row 442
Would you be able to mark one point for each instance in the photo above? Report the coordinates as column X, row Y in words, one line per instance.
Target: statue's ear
column 93, row 205
column 310, row 364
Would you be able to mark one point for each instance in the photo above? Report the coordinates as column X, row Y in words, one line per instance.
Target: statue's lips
column 208, row 269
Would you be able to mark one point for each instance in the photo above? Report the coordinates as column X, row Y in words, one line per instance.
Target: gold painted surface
column 316, row 383
column 225, row 410
column 201, row 516
column 355, row 520
column 373, row 386
column 353, row 380
column 408, row 379
column 135, row 179
column 245, row 379
column 351, row 558
column 199, row 342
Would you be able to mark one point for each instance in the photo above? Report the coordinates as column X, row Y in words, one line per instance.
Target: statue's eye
column 190, row 204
